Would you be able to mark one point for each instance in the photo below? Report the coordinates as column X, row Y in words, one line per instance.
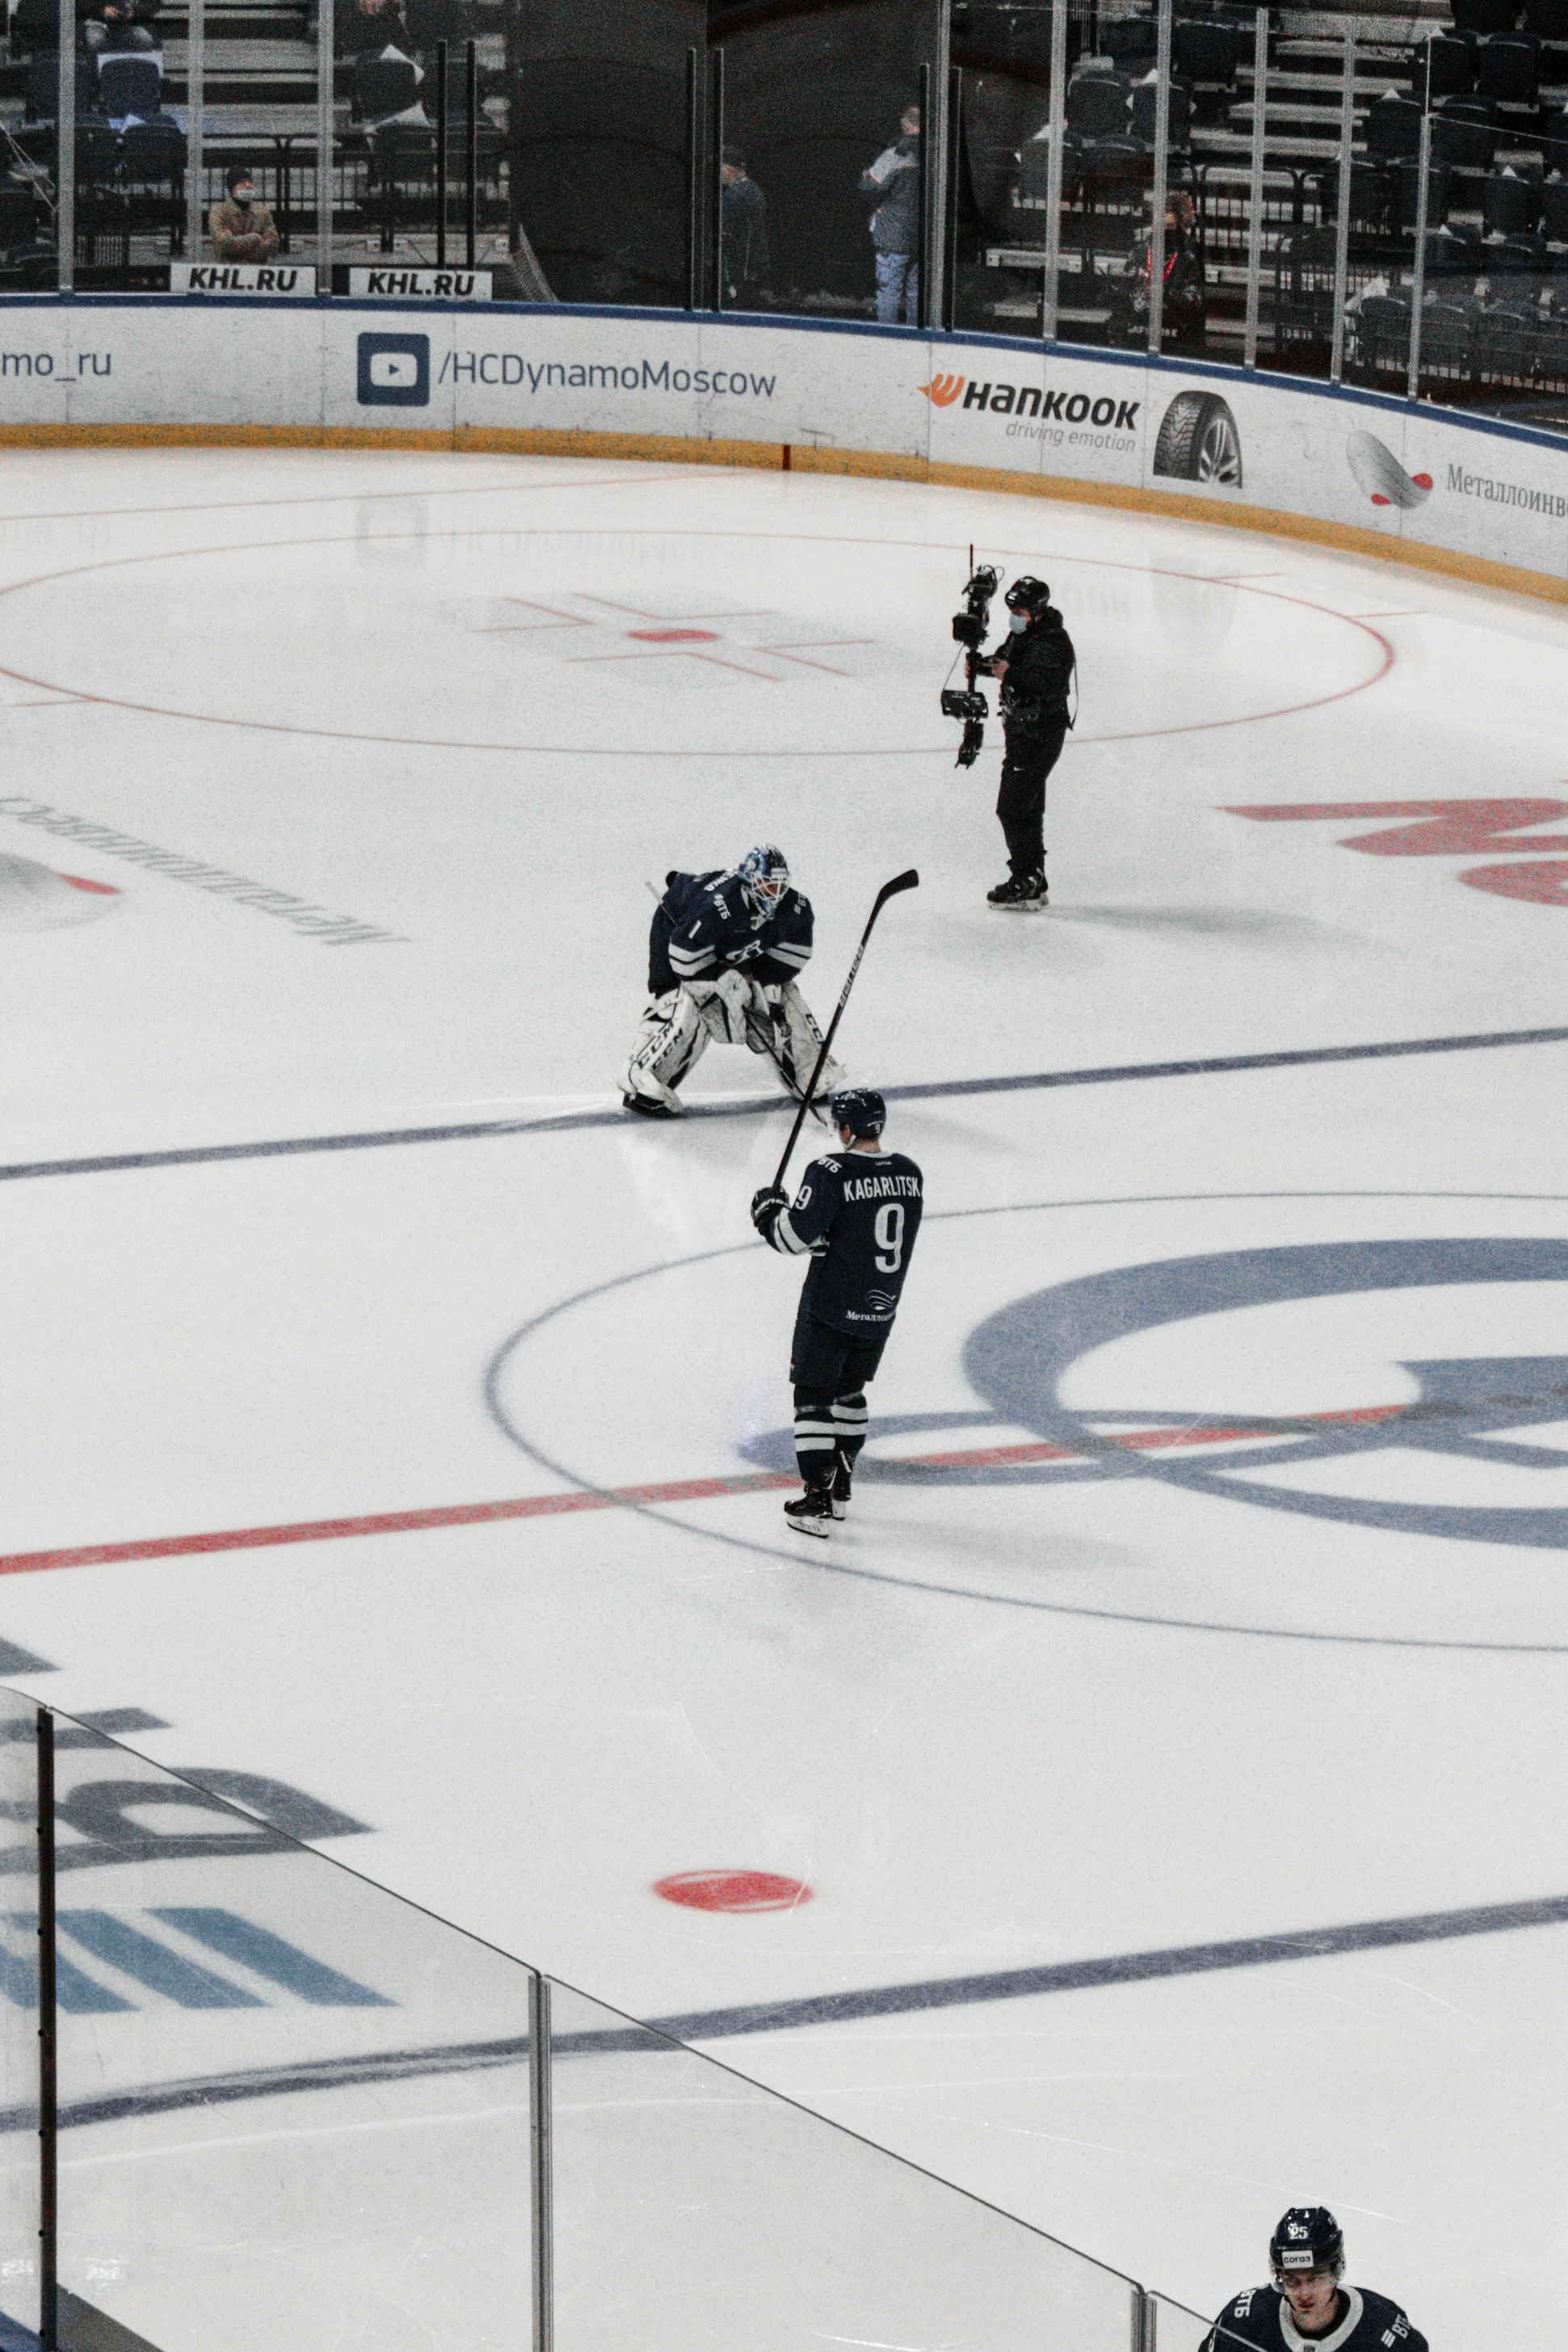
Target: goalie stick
column 909, row 881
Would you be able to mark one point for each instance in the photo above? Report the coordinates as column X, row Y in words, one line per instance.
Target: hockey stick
column 910, row 881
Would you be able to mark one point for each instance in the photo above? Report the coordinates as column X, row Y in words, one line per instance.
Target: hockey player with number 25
column 856, row 1215
column 1307, row 2309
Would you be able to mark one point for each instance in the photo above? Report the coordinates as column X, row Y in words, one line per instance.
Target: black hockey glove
column 765, row 1206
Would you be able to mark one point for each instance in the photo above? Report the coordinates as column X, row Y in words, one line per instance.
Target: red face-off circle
column 675, row 636
column 733, row 1890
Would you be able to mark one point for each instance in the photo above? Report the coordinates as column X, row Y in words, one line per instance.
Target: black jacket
column 895, row 223
column 1037, row 688
column 744, row 250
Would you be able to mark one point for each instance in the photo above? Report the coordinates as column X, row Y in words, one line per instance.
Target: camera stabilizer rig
column 969, row 628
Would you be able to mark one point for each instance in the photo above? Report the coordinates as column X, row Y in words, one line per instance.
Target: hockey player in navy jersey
column 1306, row 2309
column 723, row 961
column 856, row 1215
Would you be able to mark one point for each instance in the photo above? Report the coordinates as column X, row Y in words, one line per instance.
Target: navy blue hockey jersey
column 704, row 924
column 1263, row 2318
column 857, row 1213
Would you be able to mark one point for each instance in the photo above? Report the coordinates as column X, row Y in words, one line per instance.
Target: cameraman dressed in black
column 1034, row 668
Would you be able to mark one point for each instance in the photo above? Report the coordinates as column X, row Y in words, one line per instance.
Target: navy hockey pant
column 1020, row 803
column 830, row 1370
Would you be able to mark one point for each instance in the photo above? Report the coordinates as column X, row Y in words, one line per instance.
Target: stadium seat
column 1554, row 211
column 1546, row 20
column 1485, row 16
column 1515, row 268
column 1459, row 139
column 1393, row 126
column 130, row 83
column 1508, row 340
column 1554, row 141
column 1382, row 333
column 1508, row 67
column 1445, row 66
column 1097, row 105
column 1131, row 40
column 1113, row 168
column 1453, row 258
column 19, row 214
column 1205, row 51
column 1512, row 204
column 1448, row 336
column 1145, row 98
column 35, row 25
column 1369, row 197
column 382, row 87
column 1406, row 178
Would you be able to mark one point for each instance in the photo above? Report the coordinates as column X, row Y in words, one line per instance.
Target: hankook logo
column 1030, row 400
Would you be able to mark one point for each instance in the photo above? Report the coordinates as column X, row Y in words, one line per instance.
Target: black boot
column 839, row 1492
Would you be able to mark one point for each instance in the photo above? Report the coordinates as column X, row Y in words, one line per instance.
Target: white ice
column 992, row 1725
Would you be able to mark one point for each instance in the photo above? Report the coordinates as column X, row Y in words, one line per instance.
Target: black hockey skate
column 1020, row 894
column 811, row 1514
column 646, row 1107
column 839, row 1492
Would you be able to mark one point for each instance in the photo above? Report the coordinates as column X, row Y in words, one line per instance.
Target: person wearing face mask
column 1307, row 2309
column 1034, row 667
column 242, row 230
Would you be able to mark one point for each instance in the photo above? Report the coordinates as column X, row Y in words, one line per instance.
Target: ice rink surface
column 1210, row 1591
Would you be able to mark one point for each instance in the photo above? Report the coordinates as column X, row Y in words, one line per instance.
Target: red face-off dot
column 732, row 1890
column 675, row 636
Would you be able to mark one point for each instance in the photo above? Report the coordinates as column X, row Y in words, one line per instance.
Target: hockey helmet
column 860, row 1109
column 1307, row 2238
column 764, row 877
column 1026, row 594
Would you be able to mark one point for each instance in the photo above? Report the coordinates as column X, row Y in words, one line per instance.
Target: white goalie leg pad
column 798, row 1041
column 672, row 1037
column 726, row 1006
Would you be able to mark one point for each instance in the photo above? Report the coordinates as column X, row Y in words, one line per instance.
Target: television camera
column 969, row 629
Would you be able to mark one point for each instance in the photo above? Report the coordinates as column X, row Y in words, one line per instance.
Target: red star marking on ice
column 672, row 636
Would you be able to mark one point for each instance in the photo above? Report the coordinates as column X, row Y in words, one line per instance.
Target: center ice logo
column 1466, row 1408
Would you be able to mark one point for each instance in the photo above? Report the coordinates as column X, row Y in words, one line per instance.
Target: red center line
column 679, row 1490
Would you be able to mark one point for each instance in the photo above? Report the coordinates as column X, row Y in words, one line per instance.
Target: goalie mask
column 764, row 877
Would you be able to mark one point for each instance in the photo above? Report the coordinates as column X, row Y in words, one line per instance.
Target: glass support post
column 48, row 2040
column 539, row 2119
column 195, row 81
column 716, row 180
column 953, row 131
column 1346, row 188
column 924, row 313
column 1050, row 292
column 693, row 180
column 471, row 154
column 936, row 162
column 1255, row 188
column 324, row 129
column 1161, row 182
column 66, row 152
column 440, row 138
column 1418, row 274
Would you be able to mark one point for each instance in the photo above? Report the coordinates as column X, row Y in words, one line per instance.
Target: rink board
column 1346, row 467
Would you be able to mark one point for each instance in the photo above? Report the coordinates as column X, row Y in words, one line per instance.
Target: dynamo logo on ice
column 1467, row 1409
column 394, row 371
column 1379, row 473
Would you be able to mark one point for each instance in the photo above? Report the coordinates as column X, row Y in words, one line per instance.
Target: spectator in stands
column 1181, row 314
column 744, row 263
column 111, row 27
column 242, row 230
column 893, row 180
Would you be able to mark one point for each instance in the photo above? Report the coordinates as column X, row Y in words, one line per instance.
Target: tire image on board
column 1198, row 441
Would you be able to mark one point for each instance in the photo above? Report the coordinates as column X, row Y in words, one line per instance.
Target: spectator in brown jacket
column 242, row 230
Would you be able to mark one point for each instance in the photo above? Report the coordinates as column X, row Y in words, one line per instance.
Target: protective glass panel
column 692, row 2209
column 1000, row 150
column 822, row 112
column 603, row 103
column 1177, row 2328
column 19, row 2010
column 293, row 2110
